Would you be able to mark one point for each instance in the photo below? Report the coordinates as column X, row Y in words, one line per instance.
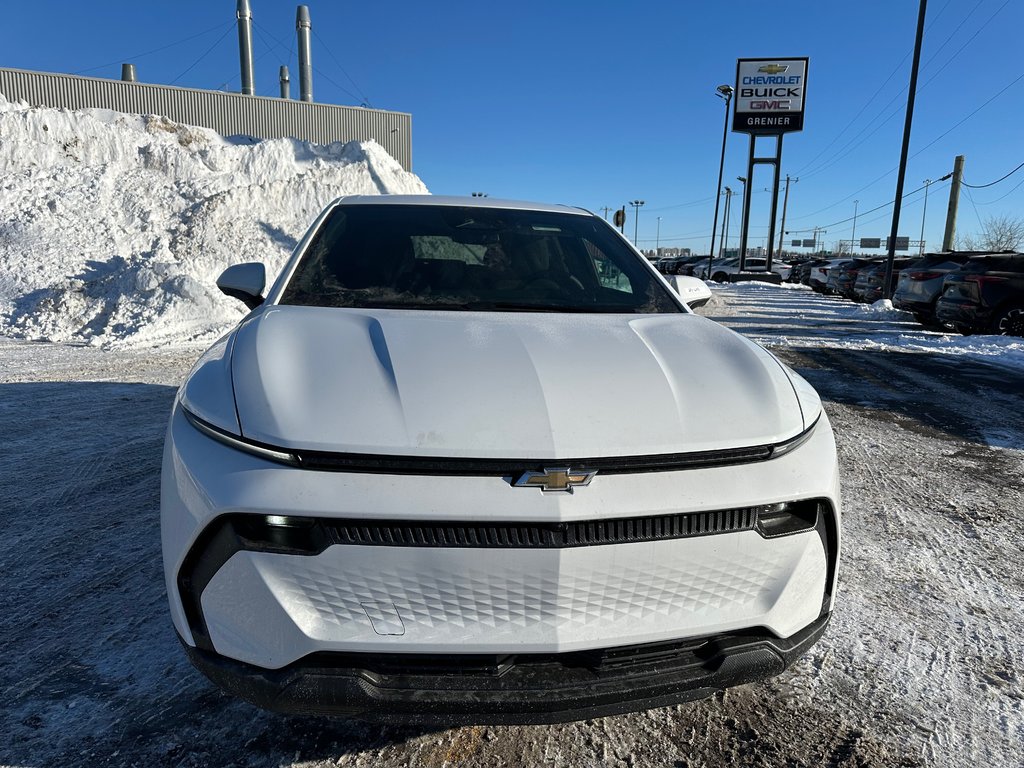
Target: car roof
column 462, row 202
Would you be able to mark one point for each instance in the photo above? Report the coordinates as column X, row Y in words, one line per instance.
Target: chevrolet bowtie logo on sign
column 557, row 480
column 773, row 69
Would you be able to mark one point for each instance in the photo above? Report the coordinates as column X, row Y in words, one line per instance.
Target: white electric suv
column 475, row 461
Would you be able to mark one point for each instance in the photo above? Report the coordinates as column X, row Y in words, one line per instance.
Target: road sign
column 810, row 243
column 902, row 243
column 620, row 217
column 797, row 244
column 871, row 242
column 770, row 95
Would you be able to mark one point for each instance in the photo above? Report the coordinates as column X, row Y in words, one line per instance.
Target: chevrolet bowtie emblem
column 773, row 69
column 552, row 480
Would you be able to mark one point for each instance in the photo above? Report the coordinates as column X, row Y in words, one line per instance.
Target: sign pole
column 775, row 201
column 746, row 204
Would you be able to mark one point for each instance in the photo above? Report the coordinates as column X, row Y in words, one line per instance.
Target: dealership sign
column 769, row 97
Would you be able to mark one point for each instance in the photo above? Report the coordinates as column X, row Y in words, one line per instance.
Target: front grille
column 540, row 535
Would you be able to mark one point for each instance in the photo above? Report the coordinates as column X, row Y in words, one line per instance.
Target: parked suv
column 920, row 284
column 870, row 282
column 986, row 295
column 843, row 275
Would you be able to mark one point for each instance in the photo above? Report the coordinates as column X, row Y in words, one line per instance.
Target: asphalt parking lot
column 920, row 666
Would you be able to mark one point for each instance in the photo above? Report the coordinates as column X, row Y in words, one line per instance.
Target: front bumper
column 510, row 689
column 273, row 616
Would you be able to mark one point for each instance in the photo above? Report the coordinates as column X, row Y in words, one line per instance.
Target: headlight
column 238, row 443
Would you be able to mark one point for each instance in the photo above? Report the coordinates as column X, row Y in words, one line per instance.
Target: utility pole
column 905, row 151
column 605, row 208
column 954, row 202
column 785, row 202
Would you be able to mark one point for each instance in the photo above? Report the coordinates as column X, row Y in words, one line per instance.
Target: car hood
column 505, row 385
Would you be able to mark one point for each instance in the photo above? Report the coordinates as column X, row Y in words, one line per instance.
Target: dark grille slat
column 541, row 535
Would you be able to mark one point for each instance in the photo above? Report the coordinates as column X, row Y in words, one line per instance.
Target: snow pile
column 883, row 309
column 115, row 227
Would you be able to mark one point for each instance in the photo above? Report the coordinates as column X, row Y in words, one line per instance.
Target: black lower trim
column 521, row 688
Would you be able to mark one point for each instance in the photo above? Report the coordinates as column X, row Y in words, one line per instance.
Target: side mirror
column 694, row 293
column 244, row 282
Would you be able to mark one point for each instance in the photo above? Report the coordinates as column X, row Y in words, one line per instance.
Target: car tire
column 720, row 277
column 1009, row 321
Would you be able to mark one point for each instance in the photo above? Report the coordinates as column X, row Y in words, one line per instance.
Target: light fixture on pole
column 636, row 219
column 927, row 183
column 723, row 92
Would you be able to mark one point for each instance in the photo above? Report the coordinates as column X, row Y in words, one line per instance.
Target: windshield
column 447, row 257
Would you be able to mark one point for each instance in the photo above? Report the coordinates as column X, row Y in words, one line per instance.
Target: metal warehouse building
column 230, row 114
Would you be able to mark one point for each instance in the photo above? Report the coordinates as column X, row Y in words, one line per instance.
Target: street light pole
column 743, row 221
column 725, row 226
column 853, row 234
column 927, row 183
column 636, row 220
column 724, row 92
column 785, row 202
column 657, row 239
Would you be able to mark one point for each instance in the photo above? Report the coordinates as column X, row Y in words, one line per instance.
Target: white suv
column 475, row 461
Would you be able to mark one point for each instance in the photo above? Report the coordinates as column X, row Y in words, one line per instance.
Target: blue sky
column 598, row 103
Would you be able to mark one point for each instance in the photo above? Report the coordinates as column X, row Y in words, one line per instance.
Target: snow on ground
column 114, row 227
column 796, row 316
column 919, row 667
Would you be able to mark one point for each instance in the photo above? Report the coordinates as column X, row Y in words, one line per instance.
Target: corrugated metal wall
column 230, row 114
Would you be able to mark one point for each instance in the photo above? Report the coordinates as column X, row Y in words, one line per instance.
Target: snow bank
column 114, row 227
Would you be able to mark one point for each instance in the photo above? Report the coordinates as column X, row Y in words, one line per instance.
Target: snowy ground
column 920, row 666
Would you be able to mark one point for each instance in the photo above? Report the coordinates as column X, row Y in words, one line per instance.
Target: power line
column 1003, row 197
column 319, row 72
column 993, row 183
column 155, row 50
column 870, row 210
column 343, row 71
column 942, row 135
column 203, row 56
column 851, row 145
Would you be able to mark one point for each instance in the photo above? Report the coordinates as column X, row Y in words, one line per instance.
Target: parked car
column 721, row 270
column 818, row 275
column 475, row 461
column 868, row 286
column 920, row 284
column 804, row 275
column 986, row 295
column 841, row 275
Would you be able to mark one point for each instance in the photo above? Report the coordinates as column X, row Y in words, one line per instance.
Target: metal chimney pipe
column 244, row 16
column 128, row 73
column 286, row 84
column 303, row 26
